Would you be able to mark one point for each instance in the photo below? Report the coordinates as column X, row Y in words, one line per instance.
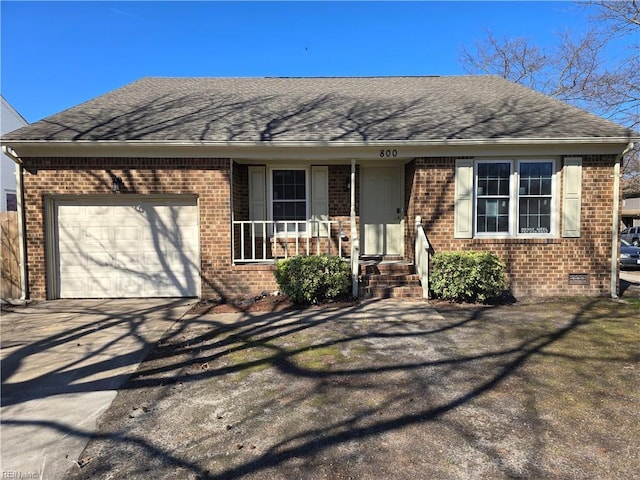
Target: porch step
column 404, row 292
column 389, row 279
column 387, row 268
column 392, row 280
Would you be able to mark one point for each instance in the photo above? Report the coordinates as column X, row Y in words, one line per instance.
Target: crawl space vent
column 578, row 279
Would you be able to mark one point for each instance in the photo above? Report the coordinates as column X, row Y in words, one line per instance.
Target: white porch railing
column 422, row 249
column 268, row 240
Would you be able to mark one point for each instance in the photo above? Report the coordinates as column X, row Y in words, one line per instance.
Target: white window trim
column 553, row 225
column 514, row 183
column 475, row 200
column 307, row 195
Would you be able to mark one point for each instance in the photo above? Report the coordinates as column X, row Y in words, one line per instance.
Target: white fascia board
column 319, row 150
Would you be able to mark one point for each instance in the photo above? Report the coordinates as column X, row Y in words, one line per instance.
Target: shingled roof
column 349, row 110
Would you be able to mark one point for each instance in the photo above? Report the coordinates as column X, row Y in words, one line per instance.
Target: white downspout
column 232, row 216
column 355, row 245
column 9, row 152
column 615, row 243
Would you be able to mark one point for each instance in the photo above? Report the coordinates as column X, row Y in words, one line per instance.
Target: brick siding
column 535, row 267
column 206, row 178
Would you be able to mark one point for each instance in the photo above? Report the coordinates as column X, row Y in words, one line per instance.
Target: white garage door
column 127, row 247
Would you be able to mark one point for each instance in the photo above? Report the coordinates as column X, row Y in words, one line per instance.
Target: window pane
column 300, row 210
column 492, row 216
column 289, row 185
column 534, row 204
column 503, row 223
column 278, row 211
column 289, row 211
column 505, row 170
column 493, row 178
column 279, row 177
column 289, row 198
column 535, row 215
column 12, row 202
column 289, row 192
column 504, row 186
column 535, row 178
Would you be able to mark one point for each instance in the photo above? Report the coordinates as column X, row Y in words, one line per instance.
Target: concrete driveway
column 630, row 283
column 62, row 364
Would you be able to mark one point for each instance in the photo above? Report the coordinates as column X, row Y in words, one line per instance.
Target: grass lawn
column 384, row 390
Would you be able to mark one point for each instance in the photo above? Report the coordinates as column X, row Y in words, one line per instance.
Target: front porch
column 354, row 211
column 384, row 276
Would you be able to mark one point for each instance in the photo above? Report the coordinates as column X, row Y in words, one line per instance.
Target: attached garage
column 123, row 246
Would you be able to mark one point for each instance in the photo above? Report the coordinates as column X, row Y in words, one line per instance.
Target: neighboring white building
column 10, row 120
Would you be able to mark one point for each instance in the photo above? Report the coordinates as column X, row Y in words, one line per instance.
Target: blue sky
column 58, row 54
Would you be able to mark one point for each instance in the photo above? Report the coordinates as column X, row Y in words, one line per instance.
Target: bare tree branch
column 577, row 69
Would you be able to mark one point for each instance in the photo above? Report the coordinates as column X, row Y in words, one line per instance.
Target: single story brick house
column 195, row 186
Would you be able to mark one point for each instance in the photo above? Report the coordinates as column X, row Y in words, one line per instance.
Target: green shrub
column 467, row 276
column 313, row 279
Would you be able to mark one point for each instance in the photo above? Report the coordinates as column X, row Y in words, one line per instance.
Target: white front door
column 381, row 211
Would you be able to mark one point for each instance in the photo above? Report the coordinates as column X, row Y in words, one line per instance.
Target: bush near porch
column 313, row 279
column 469, row 276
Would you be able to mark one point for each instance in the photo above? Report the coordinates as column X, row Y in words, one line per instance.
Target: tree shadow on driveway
column 382, row 389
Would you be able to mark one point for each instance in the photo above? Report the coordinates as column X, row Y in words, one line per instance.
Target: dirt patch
column 261, row 303
column 384, row 390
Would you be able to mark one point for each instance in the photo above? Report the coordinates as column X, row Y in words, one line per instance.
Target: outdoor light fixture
column 116, row 184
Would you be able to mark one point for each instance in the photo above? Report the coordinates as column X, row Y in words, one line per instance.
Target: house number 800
column 388, row 153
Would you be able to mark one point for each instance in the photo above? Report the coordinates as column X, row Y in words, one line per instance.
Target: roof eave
column 328, row 143
column 312, row 149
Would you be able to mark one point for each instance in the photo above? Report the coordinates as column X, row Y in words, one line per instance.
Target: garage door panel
column 173, row 262
column 97, row 210
column 133, row 249
column 135, row 285
column 76, row 287
column 78, row 268
column 71, row 213
column 169, row 230
column 101, row 235
column 153, row 261
column 126, row 233
column 71, row 233
column 163, row 243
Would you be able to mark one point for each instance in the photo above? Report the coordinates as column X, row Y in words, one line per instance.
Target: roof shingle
column 354, row 109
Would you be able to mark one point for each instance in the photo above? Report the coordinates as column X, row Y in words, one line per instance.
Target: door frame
column 401, row 201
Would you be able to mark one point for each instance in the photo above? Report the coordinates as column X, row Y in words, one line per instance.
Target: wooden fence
column 10, row 255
